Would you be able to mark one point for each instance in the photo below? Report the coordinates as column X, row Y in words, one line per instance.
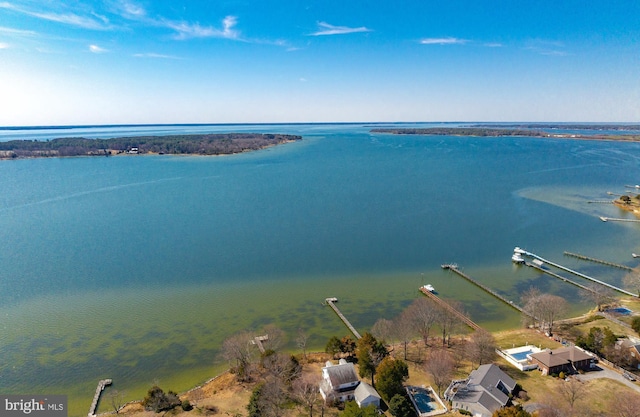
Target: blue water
column 137, row 267
column 520, row 356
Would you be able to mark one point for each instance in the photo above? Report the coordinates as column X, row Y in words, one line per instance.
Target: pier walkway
column 571, row 271
column 466, row 320
column 331, row 301
column 599, row 261
column 613, row 219
column 96, row 398
column 454, row 268
column 258, row 342
column 560, row 277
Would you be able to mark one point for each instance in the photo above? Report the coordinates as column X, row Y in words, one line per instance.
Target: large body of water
column 137, row 267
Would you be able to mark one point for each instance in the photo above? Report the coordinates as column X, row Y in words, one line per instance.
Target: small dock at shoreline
column 571, row 271
column 599, row 261
column 96, row 398
column 454, row 268
column 258, row 342
column 331, row 302
column 466, row 320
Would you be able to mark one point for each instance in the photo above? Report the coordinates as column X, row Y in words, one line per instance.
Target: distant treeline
column 461, row 131
column 561, row 126
column 209, row 144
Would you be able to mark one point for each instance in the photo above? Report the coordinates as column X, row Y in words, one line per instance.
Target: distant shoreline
column 502, row 132
column 196, row 144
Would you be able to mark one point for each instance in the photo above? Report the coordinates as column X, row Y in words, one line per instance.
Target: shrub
column 186, row 405
column 157, row 400
column 561, row 375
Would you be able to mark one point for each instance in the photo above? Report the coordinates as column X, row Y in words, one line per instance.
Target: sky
column 271, row 61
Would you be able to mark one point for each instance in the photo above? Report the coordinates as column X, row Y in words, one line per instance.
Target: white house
column 365, row 395
column 339, row 382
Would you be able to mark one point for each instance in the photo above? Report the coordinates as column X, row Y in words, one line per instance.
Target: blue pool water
column 620, row 310
column 423, row 400
column 520, row 356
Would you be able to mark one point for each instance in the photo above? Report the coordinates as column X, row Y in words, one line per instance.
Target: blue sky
column 236, row 61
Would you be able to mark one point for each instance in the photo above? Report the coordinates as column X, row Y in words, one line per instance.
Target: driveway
column 601, row 371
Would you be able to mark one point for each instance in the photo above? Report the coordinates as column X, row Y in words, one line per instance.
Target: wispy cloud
column 155, row 56
column 443, row 41
column 325, row 29
column 194, row 30
column 544, row 47
column 72, row 19
column 493, row 45
column 11, row 31
column 131, row 10
column 97, row 50
column 4, row 45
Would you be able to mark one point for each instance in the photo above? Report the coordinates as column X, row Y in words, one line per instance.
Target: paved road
column 605, row 372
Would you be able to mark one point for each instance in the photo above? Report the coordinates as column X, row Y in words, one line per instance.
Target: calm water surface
column 137, row 267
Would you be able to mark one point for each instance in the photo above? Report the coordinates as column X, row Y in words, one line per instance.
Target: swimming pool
column 521, row 356
column 624, row 311
column 426, row 401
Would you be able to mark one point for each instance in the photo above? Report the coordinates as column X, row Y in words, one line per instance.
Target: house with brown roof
column 565, row 359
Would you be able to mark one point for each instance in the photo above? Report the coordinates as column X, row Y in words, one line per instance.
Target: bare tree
column 117, row 400
column 276, row 337
column 301, row 341
column 544, row 309
column 441, row 366
column 403, row 328
column 572, row 391
column 599, row 295
column 272, row 398
column 482, row 347
column 424, row 315
column 383, row 330
column 530, row 304
column 305, row 392
column 238, row 349
column 448, row 322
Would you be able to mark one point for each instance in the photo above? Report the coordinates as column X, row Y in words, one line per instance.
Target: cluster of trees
column 463, row 131
column 542, row 310
column 209, row 144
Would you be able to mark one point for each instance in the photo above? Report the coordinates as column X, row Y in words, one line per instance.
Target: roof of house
column 365, row 391
column 561, row 356
column 486, row 386
column 344, row 373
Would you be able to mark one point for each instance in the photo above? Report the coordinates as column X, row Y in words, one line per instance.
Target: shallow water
column 136, row 268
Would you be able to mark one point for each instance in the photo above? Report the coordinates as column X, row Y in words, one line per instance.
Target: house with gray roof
column 339, row 382
column 486, row 390
column 366, row 395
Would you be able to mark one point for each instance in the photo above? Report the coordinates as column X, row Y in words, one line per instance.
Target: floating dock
column 571, row 271
column 258, row 342
column 331, row 301
column 454, row 268
column 96, row 398
column 448, row 307
column 599, row 261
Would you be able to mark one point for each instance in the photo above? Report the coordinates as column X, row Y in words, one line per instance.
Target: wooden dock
column 96, row 398
column 560, row 277
column 613, row 219
column 258, row 342
column 571, row 271
column 466, row 320
column 454, row 268
column 599, row 261
column 331, row 302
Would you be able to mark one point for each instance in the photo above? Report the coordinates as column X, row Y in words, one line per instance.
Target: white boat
column 429, row 288
column 517, row 258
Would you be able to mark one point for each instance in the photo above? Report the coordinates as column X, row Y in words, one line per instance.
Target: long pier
column 448, row 307
column 96, row 398
column 560, row 277
column 454, row 268
column 331, row 301
column 571, row 271
column 599, row 261
column 613, row 219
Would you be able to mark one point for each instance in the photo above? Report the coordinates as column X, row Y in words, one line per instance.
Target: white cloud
column 443, row 41
column 154, row 55
column 493, row 45
column 64, row 18
column 4, row 45
column 194, row 30
column 325, row 28
column 12, row 31
column 131, row 9
column 96, row 49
